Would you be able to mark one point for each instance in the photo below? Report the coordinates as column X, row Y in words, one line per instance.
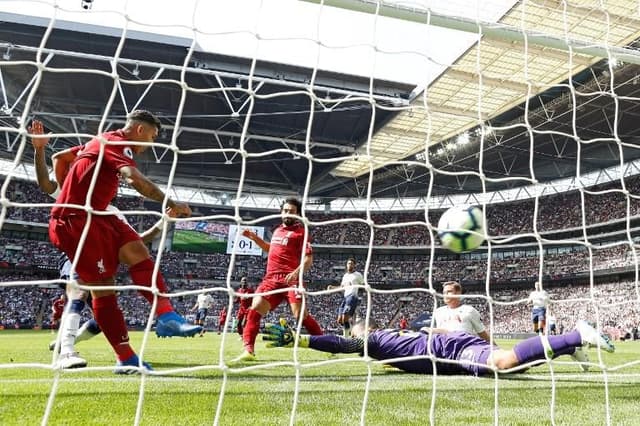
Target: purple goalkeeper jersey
column 463, row 348
column 455, row 346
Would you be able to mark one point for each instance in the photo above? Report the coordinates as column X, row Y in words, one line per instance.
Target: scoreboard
column 243, row 246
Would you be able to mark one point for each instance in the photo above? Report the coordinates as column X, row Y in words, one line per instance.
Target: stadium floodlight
column 463, row 138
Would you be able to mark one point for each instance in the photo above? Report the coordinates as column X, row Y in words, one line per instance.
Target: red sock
column 312, row 326
column 251, row 328
column 141, row 274
column 240, row 326
column 109, row 317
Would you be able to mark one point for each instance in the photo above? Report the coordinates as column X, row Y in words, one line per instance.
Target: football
column 455, row 225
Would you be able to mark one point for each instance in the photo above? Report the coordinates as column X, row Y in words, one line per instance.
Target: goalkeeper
column 473, row 354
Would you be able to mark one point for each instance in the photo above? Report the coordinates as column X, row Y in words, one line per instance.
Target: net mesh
column 509, row 82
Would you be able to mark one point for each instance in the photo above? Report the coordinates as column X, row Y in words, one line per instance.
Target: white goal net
column 378, row 116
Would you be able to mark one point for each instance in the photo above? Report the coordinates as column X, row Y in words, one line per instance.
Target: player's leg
column 55, row 322
column 88, row 330
column 534, row 320
column 550, row 347
column 111, row 321
column 69, row 325
column 260, row 306
column 240, row 321
column 542, row 321
column 203, row 318
column 346, row 325
column 90, row 327
column 308, row 321
column 65, row 233
column 71, row 330
column 106, row 233
column 351, row 304
column 341, row 318
column 135, row 254
column 199, row 319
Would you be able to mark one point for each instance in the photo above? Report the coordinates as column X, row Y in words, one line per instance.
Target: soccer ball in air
column 454, row 227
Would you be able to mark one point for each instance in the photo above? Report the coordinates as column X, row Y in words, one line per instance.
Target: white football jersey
column 463, row 318
column 540, row 299
column 349, row 281
column 204, row 301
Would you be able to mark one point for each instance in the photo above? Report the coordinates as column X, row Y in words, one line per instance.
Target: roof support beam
column 487, row 29
column 486, row 81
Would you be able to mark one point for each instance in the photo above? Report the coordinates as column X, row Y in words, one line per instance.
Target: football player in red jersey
column 57, row 308
column 92, row 177
column 288, row 255
column 244, row 303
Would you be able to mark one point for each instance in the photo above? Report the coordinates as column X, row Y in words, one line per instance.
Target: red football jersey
column 57, row 307
column 285, row 251
column 81, row 174
column 245, row 302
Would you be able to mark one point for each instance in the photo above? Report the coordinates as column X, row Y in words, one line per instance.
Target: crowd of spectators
column 613, row 305
column 601, row 204
column 25, row 259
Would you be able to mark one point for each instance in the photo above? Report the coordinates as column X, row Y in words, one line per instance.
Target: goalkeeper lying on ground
column 475, row 355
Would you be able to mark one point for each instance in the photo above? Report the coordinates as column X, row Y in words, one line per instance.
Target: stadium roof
column 299, row 99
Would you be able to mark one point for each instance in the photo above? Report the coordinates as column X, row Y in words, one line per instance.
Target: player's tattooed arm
column 39, row 141
column 146, row 187
column 61, row 163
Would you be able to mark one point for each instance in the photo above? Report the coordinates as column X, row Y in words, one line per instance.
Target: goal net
column 378, row 116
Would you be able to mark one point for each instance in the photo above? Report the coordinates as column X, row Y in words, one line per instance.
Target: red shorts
column 98, row 259
column 292, row 296
column 242, row 312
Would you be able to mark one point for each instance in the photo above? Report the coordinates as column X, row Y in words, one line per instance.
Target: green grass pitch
column 195, row 241
column 329, row 390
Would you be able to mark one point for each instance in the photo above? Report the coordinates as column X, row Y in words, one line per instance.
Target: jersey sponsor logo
column 127, row 152
column 281, row 241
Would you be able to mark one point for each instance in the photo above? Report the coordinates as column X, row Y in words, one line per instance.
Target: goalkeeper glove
column 278, row 335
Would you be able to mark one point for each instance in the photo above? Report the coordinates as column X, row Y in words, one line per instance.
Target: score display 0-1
column 243, row 246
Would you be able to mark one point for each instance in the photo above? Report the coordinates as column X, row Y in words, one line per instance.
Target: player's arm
column 151, row 233
column 39, row 143
column 484, row 335
column 306, row 265
column 248, row 233
column 433, row 330
column 334, row 286
column 280, row 336
column 62, row 162
column 478, row 325
column 146, row 187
